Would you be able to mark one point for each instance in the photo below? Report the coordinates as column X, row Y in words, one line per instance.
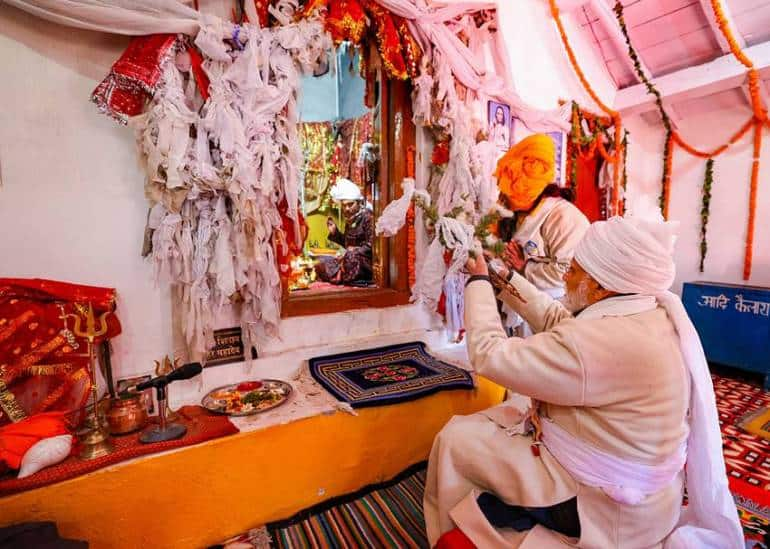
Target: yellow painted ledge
column 209, row 492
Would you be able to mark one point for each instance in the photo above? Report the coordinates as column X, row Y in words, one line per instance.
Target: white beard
column 576, row 300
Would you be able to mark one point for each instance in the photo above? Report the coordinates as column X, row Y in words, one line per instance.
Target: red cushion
column 454, row 539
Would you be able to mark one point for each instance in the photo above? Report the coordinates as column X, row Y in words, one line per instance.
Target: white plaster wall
column 72, row 205
column 729, row 202
column 542, row 74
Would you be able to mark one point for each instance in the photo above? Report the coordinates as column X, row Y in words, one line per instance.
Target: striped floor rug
column 390, row 515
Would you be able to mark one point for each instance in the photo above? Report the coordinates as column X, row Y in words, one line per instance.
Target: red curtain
column 588, row 197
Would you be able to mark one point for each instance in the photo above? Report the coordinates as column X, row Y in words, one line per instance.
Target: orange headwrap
column 526, row 170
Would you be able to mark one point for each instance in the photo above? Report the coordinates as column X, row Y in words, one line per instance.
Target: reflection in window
column 340, row 139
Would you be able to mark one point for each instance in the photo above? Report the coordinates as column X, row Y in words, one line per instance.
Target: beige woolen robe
column 548, row 236
column 618, row 383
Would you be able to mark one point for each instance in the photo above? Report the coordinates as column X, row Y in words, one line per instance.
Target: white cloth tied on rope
column 218, row 193
column 454, row 235
column 632, row 256
column 393, row 216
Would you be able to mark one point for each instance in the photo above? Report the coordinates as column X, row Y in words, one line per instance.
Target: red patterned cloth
column 201, row 426
column 285, row 241
column 410, row 49
column 346, row 21
column 747, row 456
column 42, row 362
column 263, row 12
column 388, row 40
column 133, row 77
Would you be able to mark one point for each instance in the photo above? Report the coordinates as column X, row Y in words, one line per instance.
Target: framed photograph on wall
column 147, row 397
column 559, row 140
column 499, row 129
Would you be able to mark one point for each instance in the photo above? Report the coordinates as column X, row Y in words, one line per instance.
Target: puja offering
column 248, row 397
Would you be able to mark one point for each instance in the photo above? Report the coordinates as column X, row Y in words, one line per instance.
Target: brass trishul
column 96, row 442
column 91, row 332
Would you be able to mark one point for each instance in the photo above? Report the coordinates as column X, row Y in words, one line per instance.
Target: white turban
column 632, row 256
column 345, row 189
column 629, row 256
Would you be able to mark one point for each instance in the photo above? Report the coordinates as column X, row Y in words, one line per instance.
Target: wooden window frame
column 390, row 254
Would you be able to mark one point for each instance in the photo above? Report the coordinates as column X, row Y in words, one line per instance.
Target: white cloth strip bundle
column 218, row 175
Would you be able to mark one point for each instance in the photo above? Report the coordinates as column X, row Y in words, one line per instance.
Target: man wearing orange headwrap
column 547, row 225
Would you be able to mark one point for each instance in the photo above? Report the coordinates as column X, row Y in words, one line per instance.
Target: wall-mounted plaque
column 228, row 348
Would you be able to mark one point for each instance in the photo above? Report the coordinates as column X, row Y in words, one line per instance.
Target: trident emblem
column 96, row 443
column 91, row 332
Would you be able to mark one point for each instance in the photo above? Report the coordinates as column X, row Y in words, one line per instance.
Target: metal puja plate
column 217, row 400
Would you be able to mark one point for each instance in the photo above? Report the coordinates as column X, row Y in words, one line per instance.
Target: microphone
column 164, row 431
column 184, row 372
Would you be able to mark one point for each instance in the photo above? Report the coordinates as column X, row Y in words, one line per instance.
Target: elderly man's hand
column 477, row 266
column 513, row 257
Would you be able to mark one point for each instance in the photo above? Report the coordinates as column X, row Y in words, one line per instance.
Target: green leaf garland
column 708, row 181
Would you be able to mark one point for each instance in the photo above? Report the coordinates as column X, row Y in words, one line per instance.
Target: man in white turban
column 355, row 265
column 621, row 400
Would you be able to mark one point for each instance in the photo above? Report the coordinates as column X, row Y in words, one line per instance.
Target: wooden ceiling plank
column 709, row 13
column 610, row 23
column 697, row 81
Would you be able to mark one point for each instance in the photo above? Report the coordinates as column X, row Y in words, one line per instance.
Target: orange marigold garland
column 411, row 246
column 760, row 112
column 719, row 150
column 752, row 200
column 411, row 240
column 615, row 158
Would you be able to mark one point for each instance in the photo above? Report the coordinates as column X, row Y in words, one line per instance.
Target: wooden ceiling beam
column 700, row 80
column 722, row 41
column 610, row 23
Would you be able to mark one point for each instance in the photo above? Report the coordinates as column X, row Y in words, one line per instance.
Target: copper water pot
column 127, row 414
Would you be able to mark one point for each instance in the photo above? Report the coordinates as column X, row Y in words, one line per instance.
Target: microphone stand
column 163, row 430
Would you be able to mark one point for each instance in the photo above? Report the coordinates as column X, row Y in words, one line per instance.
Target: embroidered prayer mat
column 201, row 426
column 747, row 455
column 386, row 375
column 757, row 422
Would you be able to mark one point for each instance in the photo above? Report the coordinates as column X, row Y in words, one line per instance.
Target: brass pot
column 127, row 414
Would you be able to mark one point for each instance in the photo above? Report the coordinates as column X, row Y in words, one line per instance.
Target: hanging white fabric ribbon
column 132, row 17
column 393, row 216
